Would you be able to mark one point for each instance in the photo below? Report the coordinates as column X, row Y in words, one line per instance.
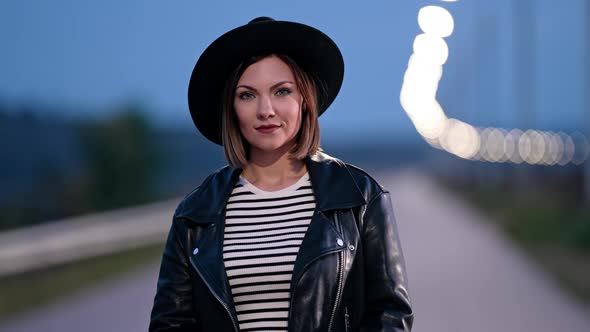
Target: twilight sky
column 94, row 55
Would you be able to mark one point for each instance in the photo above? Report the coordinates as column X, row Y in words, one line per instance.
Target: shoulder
column 365, row 182
column 363, row 177
column 201, row 198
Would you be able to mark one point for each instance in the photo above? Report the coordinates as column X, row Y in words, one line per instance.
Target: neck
column 273, row 170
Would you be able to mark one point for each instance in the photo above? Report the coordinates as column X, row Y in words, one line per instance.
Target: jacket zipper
column 216, row 297
column 293, row 286
column 340, row 277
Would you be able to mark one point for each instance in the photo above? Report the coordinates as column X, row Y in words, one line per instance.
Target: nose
column 265, row 108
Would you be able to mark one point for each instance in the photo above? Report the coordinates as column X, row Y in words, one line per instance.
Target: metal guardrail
column 77, row 238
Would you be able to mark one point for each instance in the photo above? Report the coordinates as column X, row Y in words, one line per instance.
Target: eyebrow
column 272, row 87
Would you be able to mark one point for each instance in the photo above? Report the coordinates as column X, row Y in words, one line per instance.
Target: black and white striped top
column 263, row 233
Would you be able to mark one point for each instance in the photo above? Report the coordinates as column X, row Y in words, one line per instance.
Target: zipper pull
column 346, row 320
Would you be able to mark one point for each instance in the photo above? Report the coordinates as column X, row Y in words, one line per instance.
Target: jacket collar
column 333, row 186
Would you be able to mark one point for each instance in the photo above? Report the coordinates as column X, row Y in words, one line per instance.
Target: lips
column 266, row 129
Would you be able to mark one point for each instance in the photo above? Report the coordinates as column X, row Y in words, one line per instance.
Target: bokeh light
column 436, row 21
column 538, row 147
column 495, row 145
column 511, row 146
column 568, row 150
column 432, row 48
column 418, row 99
column 429, row 120
column 460, row 139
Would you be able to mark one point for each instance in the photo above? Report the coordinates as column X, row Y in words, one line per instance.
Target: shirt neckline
column 249, row 186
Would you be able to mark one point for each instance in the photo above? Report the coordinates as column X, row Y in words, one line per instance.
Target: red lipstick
column 267, row 129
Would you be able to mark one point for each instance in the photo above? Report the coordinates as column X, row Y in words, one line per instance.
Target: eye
column 283, row 92
column 245, row 95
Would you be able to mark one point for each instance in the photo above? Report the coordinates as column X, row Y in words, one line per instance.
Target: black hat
column 310, row 48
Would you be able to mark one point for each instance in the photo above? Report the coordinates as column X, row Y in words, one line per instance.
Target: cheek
column 299, row 118
column 294, row 110
column 241, row 113
column 296, row 120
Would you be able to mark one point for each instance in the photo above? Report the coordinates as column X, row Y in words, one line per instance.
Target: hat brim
column 310, row 48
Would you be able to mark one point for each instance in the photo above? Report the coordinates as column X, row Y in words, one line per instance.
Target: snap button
column 340, row 242
column 195, row 251
column 350, row 247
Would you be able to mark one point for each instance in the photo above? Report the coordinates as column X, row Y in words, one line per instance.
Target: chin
column 268, row 147
column 271, row 146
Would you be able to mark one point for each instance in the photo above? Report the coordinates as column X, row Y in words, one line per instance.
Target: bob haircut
column 237, row 149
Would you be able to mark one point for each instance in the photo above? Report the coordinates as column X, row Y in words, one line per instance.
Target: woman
column 285, row 237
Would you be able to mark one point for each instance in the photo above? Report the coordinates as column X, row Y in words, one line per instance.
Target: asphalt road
column 464, row 277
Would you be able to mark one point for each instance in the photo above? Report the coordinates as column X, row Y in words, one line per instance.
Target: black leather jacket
column 349, row 274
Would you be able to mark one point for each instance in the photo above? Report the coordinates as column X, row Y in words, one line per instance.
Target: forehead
column 267, row 70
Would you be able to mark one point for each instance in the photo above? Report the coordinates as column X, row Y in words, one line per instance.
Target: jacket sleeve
column 387, row 303
column 173, row 306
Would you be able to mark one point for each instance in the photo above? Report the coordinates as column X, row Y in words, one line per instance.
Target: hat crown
column 261, row 19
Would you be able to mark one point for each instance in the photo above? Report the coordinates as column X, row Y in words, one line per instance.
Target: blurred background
column 475, row 114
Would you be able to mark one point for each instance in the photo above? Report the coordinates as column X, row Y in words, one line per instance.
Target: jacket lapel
column 321, row 238
column 206, row 204
column 207, row 259
column 334, row 188
column 205, row 208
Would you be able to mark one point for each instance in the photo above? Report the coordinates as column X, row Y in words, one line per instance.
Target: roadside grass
column 552, row 228
column 34, row 289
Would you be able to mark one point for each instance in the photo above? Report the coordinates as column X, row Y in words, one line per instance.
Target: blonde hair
column 235, row 146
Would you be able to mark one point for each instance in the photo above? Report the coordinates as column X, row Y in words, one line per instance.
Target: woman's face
column 268, row 106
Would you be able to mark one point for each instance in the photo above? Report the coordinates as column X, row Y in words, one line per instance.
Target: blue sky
column 95, row 55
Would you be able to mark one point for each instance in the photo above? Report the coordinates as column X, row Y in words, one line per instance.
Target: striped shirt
column 263, row 233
